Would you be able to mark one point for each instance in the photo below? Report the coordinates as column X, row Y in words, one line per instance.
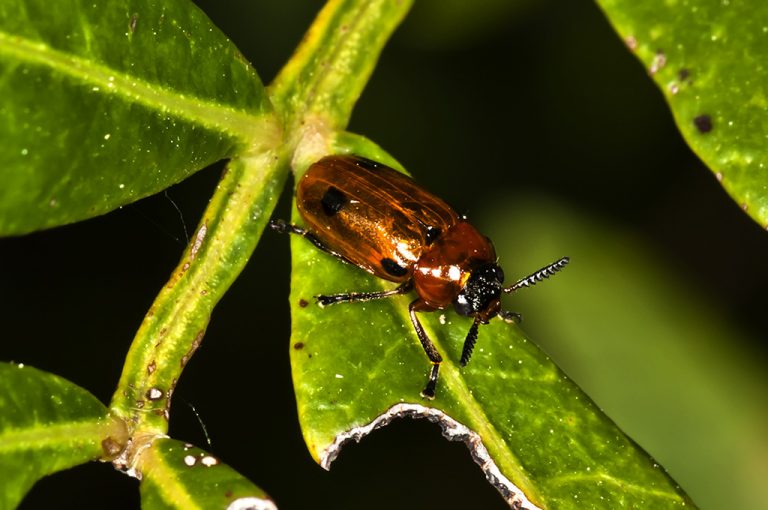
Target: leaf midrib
column 215, row 116
column 43, row 435
column 166, row 479
column 452, row 380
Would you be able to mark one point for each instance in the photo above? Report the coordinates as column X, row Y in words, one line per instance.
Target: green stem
column 319, row 86
column 175, row 324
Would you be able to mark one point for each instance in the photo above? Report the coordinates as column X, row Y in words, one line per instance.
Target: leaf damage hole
column 132, row 23
column 453, row 431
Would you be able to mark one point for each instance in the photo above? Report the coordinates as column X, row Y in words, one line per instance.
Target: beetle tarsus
column 429, row 390
column 280, row 226
column 510, row 317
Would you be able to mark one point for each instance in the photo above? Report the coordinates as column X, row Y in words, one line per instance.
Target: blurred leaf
column 708, row 57
column 456, row 23
column 353, row 362
column 657, row 354
column 108, row 102
column 47, row 424
column 179, row 475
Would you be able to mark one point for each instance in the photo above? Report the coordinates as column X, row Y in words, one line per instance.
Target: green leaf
column 47, row 424
column 356, row 366
column 108, row 102
column 708, row 58
column 661, row 355
column 179, row 475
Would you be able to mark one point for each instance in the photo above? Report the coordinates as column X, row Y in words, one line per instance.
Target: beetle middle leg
column 434, row 356
column 416, row 306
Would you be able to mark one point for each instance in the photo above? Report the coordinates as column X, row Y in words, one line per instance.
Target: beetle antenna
column 533, row 279
column 469, row 343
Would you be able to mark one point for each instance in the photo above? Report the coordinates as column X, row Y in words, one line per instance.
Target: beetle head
column 480, row 296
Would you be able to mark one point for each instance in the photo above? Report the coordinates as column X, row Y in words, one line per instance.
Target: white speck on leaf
column 209, row 461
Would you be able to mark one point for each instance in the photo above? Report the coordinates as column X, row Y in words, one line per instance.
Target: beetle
column 376, row 218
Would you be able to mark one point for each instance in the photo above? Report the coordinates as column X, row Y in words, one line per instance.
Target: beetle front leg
column 358, row 297
column 434, row 356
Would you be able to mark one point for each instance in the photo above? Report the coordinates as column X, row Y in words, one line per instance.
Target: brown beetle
column 380, row 220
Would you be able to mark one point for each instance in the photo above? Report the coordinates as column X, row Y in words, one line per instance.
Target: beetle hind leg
column 283, row 227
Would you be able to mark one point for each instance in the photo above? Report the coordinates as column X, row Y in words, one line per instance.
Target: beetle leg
column 510, row 317
column 434, row 356
column 284, row 227
column 357, row 297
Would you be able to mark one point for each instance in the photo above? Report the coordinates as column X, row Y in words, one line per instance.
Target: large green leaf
column 47, row 424
column 179, row 475
column 357, row 366
column 708, row 57
column 663, row 356
column 107, row 102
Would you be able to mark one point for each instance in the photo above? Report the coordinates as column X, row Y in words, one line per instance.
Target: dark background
column 534, row 98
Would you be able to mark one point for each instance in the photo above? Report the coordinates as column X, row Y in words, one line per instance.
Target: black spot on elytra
column 333, row 201
column 393, row 268
column 432, row 234
column 683, row 74
column 298, row 346
column 703, row 123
